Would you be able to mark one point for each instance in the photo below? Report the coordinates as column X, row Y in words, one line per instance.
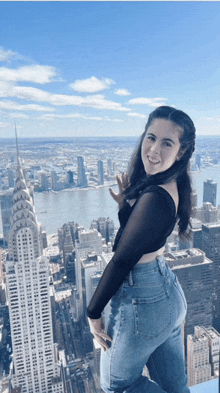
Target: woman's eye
column 167, row 144
column 151, row 138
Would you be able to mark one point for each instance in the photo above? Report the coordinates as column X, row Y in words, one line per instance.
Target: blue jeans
column 145, row 325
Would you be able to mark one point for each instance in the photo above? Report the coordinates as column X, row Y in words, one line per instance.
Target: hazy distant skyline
column 99, row 68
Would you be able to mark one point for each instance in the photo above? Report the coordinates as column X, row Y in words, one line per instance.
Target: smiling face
column 161, row 146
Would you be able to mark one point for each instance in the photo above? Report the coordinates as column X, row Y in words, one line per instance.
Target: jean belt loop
column 130, row 278
column 160, row 263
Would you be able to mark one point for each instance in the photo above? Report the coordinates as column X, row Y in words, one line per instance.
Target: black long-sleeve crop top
column 144, row 228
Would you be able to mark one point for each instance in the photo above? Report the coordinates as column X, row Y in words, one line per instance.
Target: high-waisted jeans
column 145, row 324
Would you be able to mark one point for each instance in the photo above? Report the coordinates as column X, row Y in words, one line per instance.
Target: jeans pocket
column 152, row 315
column 180, row 290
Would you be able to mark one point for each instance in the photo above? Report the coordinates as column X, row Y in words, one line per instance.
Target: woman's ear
column 180, row 154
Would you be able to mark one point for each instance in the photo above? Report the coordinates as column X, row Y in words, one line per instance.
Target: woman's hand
column 122, row 185
column 97, row 329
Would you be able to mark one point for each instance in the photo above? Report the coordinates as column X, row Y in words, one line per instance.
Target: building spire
column 23, row 213
column 16, row 140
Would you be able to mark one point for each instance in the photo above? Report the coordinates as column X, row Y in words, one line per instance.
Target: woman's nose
column 155, row 148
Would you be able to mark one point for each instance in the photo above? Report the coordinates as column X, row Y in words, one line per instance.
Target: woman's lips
column 153, row 162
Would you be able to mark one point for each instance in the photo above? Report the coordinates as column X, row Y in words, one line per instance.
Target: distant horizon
column 90, row 137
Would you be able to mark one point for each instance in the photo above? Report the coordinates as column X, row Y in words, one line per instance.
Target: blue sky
column 99, row 68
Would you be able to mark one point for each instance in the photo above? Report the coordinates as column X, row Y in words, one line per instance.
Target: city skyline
column 99, row 68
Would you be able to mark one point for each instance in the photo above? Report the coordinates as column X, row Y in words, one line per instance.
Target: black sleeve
column 147, row 226
column 124, row 213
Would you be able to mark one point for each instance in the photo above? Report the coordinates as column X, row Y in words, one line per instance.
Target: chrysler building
column 27, row 278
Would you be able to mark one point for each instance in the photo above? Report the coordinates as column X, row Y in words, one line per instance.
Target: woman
column 148, row 304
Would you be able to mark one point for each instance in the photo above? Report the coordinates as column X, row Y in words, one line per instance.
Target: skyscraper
column 198, row 160
column 198, row 366
column 68, row 246
column 196, row 234
column 11, row 181
column 89, row 242
column 100, row 172
column 110, row 167
column 82, row 179
column 110, row 228
column 194, row 198
column 211, row 246
column 44, row 181
column 203, row 355
column 6, row 202
column 55, row 181
column 90, row 268
column 209, row 191
column 28, row 295
column 70, row 179
column 207, row 213
column 102, row 226
column 105, row 226
column 2, row 283
column 195, row 275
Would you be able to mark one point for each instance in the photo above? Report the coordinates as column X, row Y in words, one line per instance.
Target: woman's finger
column 113, row 194
column 117, row 197
column 119, row 181
column 124, row 180
column 105, row 346
column 126, row 177
column 101, row 342
column 105, row 336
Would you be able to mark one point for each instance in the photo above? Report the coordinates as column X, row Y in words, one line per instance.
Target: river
column 84, row 205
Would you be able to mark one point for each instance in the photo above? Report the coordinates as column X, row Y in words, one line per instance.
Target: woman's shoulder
column 169, row 190
column 172, row 190
column 170, row 187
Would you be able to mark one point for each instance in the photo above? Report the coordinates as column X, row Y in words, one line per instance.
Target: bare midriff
column 147, row 258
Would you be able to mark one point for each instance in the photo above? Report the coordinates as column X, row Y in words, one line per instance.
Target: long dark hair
column 138, row 180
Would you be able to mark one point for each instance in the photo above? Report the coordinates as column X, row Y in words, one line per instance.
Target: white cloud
column 34, row 73
column 5, row 125
column 30, row 93
column 6, row 55
column 112, row 120
column 6, row 89
column 19, row 116
column 116, row 121
column 11, row 105
column 213, row 118
column 52, row 116
column 133, row 114
column 97, row 101
column 153, row 102
column 91, row 85
column 122, row 92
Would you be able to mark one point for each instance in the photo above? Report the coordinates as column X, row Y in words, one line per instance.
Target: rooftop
column 212, row 332
column 186, row 258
